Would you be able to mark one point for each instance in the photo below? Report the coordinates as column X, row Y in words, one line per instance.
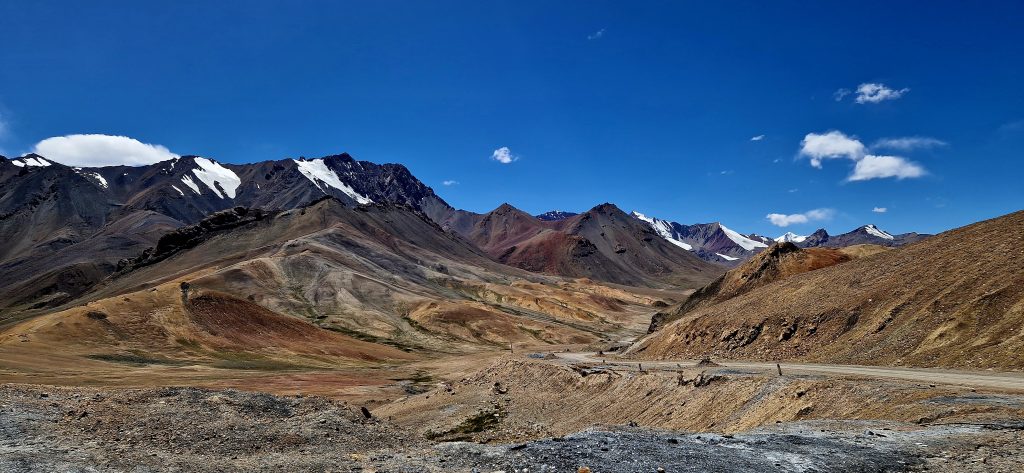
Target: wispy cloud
column 596, row 35
column 908, row 143
column 785, row 220
column 840, row 94
column 101, row 150
column 876, row 92
column 879, row 210
column 450, row 182
column 504, row 155
column 757, row 138
column 880, row 167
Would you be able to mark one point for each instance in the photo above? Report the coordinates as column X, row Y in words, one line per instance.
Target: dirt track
column 993, row 380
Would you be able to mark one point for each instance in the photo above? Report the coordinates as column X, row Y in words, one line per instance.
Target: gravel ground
column 195, row 430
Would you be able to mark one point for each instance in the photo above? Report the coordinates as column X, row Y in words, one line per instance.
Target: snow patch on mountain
column 99, row 179
column 742, row 241
column 192, row 184
column 211, row 173
column 726, row 257
column 317, row 171
column 179, row 190
column 30, row 161
column 875, row 231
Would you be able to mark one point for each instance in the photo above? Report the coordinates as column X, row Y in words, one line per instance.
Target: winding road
column 974, row 379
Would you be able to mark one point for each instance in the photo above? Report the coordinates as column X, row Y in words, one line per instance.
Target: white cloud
column 874, row 93
column 450, row 182
column 879, row 210
column 504, row 155
column 101, row 150
column 757, row 138
column 840, row 94
column 878, row 167
column 785, row 220
column 908, row 143
column 831, row 145
column 596, row 35
column 836, row 145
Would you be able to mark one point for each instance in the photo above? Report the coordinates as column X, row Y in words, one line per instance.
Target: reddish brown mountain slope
column 603, row 243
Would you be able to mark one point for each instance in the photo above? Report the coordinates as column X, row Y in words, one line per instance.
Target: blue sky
column 650, row 105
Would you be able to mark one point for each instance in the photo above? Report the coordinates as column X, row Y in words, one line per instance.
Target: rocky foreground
column 46, row 428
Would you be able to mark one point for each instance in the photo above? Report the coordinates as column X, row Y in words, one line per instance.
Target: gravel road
column 975, row 379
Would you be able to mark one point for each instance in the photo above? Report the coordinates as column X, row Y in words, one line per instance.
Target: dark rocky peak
column 508, row 209
column 608, row 208
column 555, row 215
column 818, row 238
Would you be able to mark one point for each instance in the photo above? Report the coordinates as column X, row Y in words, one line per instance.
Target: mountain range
column 71, row 228
column 716, row 243
column 67, row 227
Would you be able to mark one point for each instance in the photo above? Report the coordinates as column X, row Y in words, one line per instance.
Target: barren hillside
column 954, row 300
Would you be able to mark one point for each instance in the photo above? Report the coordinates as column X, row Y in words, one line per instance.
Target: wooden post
column 779, row 367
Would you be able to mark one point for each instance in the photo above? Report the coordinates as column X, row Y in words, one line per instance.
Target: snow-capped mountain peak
column 664, row 228
column 710, row 241
column 31, row 160
column 791, row 237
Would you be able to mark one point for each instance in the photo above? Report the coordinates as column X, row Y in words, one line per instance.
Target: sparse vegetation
column 480, row 422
